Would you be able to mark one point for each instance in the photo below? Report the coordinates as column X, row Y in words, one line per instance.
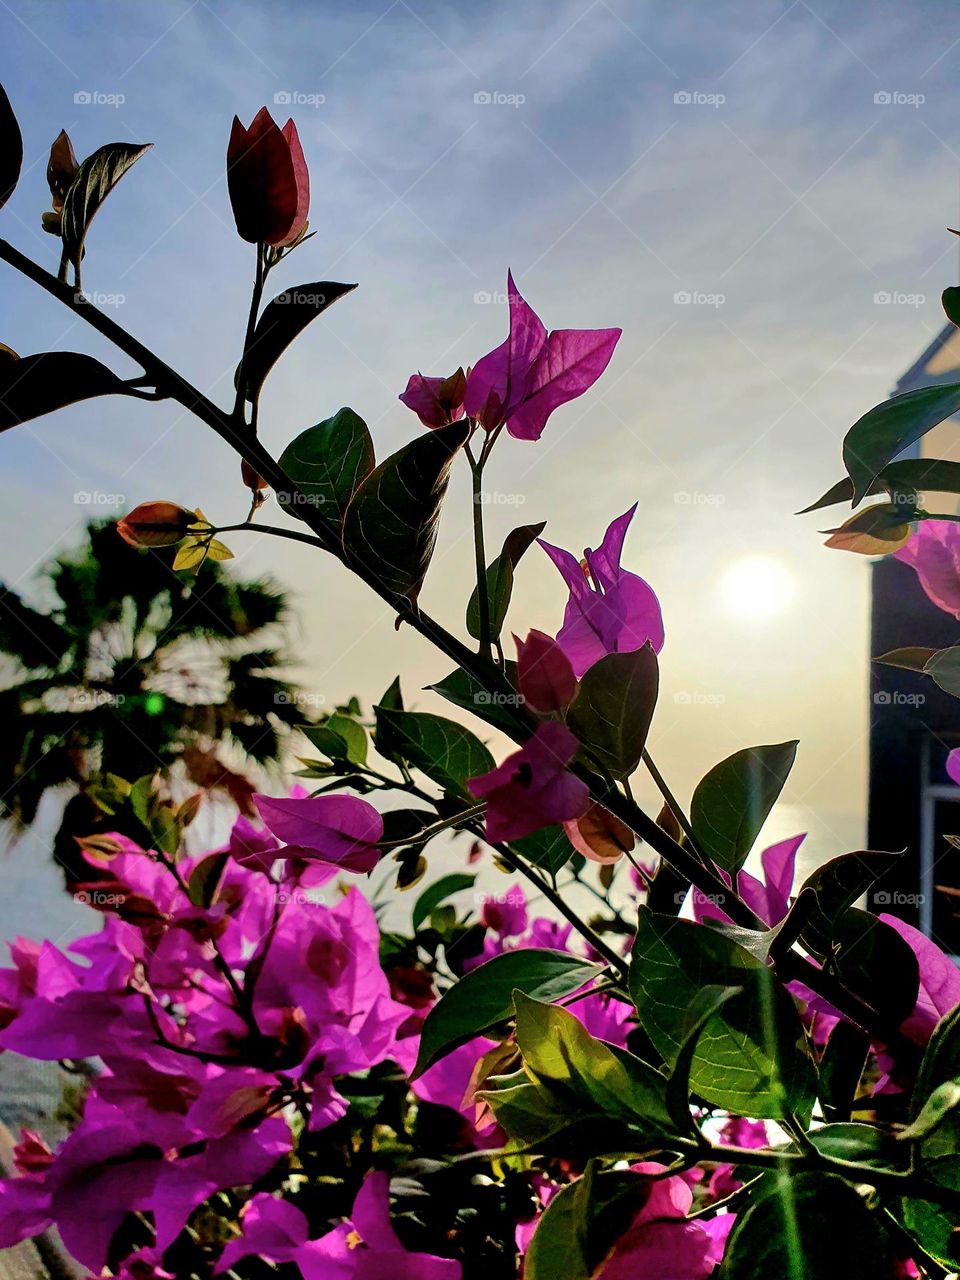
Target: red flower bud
column 155, row 524
column 268, row 181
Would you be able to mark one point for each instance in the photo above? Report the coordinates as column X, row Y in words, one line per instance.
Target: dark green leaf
column 441, row 889
column 841, row 1067
column 392, row 700
column 205, row 879
column 445, row 751
column 390, row 527
column 752, row 1056
column 933, row 1225
column 732, row 802
column 283, row 320
column 940, row 1064
column 951, row 304
column 859, row 1144
column 327, row 463
column 871, row 958
column 500, row 580
column 921, row 475
column 706, row 1003
column 842, row 491
column 463, row 690
column 564, row 1057
column 909, row 658
column 95, row 179
column 808, row 1227
column 836, row 886
column 547, row 848
column 41, row 383
column 887, row 429
column 484, row 996
column 944, row 667
column 614, row 706
column 581, row 1223
column 11, row 149
column 939, row 1105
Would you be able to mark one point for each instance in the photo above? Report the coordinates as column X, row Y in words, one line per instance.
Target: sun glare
column 757, row 588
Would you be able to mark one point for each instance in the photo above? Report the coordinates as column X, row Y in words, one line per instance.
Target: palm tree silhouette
column 135, row 669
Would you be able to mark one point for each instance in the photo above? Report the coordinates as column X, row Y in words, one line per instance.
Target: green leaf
column 933, row 1225
column 944, row 667
column 445, row 751
column 39, row 384
column 463, row 690
column 484, row 997
column 205, row 879
column 562, row 1055
column 390, row 527
column 441, row 889
column 327, row 463
column 547, row 848
column 732, row 802
column 752, row 1056
column 909, row 658
column 614, row 706
column 581, row 1223
column 887, row 429
column 871, row 958
column 808, row 1227
column 500, row 580
column 836, row 886
column 940, row 1064
column 941, row 1103
column 859, row 1144
column 921, row 475
column 340, row 737
column 950, row 298
column 283, row 320
column 95, row 179
column 11, row 149
column 707, row 1002
column 841, row 1068
column 842, row 491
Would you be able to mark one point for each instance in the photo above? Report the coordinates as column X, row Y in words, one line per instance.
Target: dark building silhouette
column 913, row 805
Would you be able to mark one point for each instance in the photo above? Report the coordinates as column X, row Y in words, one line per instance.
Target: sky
column 757, row 193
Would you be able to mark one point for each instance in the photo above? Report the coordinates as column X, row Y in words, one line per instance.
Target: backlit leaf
column 95, row 179
column 732, row 802
column 887, row 429
column 283, row 320
column 500, row 580
column 614, row 706
column 328, row 461
column 38, row 384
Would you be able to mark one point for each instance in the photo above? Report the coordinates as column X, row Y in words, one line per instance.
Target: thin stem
column 172, row 384
column 672, row 803
column 260, row 276
column 480, row 555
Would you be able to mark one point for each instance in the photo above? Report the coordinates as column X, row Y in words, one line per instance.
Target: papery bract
column 268, row 181
column 342, row 830
column 533, row 787
column 934, row 553
column 609, row 610
column 155, row 524
column 532, row 373
column 436, row 401
column 544, row 673
column 768, row 898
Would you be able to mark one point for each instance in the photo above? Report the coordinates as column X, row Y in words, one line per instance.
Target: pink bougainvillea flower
column 939, row 981
column 436, row 401
column 522, row 381
column 365, row 1248
column 953, row 765
column 533, row 788
column 769, row 898
column 609, row 610
column 544, row 673
column 934, row 552
column 342, row 830
column 267, row 180
column 661, row 1241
